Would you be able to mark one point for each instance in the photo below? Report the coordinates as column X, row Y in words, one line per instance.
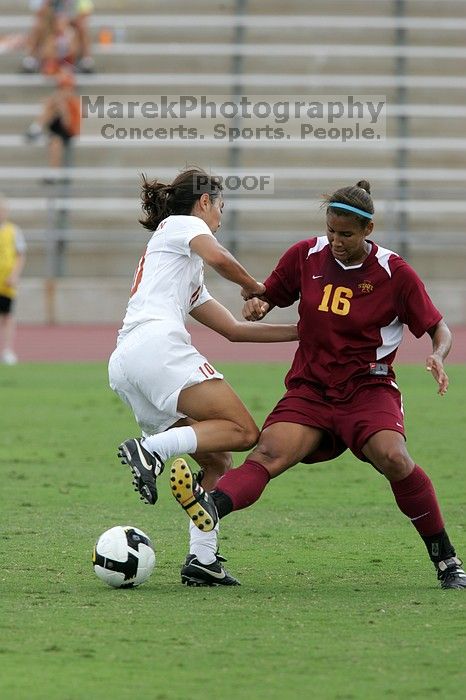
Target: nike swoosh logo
column 146, row 466
column 215, row 574
column 315, row 277
column 420, row 516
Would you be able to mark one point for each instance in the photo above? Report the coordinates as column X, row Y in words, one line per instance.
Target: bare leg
column 387, row 450
column 213, row 464
column 35, row 40
column 223, row 422
column 2, row 326
column 8, row 323
column 81, row 26
column 9, row 328
column 55, row 154
column 220, row 422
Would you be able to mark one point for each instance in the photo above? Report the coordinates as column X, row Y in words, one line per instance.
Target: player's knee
column 249, row 436
column 395, row 462
column 216, row 462
column 267, row 452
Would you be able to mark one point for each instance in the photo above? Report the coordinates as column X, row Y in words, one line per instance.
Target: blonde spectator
column 12, row 259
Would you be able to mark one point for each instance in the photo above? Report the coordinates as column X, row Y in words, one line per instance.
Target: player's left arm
column 416, row 309
column 441, row 344
column 215, row 316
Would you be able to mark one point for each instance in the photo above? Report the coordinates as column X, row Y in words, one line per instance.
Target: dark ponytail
column 160, row 201
column 358, row 196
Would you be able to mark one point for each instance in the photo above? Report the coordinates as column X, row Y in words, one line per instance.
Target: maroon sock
column 243, row 485
column 416, row 498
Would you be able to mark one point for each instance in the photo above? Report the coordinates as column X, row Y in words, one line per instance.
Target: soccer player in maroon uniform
column 354, row 299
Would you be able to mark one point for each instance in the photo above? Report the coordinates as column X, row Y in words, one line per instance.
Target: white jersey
column 169, row 279
column 154, row 359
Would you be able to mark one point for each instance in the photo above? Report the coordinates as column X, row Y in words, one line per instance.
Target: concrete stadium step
column 121, row 266
column 271, row 28
column 448, row 181
column 134, row 237
column 149, row 158
column 107, row 233
column 250, row 21
column 376, row 7
column 422, row 127
column 248, row 209
column 330, row 59
column 418, row 89
column 96, row 300
column 142, row 6
column 105, row 257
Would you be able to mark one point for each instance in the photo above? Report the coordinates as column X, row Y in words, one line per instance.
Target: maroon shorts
column 346, row 424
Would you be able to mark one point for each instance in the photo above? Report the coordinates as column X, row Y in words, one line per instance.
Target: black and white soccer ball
column 123, row 557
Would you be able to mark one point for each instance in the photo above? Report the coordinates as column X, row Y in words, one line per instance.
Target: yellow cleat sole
column 182, row 486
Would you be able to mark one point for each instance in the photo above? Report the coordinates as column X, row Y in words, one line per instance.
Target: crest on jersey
column 366, row 287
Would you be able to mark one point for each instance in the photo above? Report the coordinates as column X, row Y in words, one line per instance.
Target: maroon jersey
column 349, row 317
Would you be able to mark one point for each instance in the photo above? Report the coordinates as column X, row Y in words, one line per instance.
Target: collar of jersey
column 350, row 267
column 355, row 267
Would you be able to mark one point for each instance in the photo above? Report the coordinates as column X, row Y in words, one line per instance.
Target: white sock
column 175, row 441
column 203, row 544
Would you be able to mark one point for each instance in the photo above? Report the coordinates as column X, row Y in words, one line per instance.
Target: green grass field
column 338, row 598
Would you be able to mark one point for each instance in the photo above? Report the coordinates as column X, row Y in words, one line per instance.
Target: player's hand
column 434, row 364
column 255, row 291
column 255, row 309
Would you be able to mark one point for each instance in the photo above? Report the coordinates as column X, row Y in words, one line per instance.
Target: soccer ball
column 123, row 557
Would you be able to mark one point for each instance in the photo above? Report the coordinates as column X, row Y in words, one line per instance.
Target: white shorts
column 151, row 366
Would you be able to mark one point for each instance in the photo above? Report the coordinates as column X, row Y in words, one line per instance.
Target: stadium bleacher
column 412, row 52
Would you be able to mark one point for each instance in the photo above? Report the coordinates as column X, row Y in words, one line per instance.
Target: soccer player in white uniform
column 180, row 401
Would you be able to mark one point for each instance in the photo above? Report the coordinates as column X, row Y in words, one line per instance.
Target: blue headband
column 361, row 212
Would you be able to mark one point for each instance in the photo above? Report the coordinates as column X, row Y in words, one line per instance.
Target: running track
column 86, row 343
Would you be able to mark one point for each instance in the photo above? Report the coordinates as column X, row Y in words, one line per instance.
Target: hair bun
column 365, row 185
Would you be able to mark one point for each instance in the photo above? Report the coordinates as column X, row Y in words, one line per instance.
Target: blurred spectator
column 60, row 35
column 60, row 120
column 60, row 47
column 12, row 259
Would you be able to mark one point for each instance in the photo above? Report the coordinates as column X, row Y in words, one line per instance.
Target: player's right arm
column 215, row 316
column 282, row 286
column 223, row 262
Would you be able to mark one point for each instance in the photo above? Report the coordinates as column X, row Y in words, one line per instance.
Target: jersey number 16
column 338, row 299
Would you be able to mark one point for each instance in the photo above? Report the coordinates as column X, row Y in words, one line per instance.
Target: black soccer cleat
column 192, row 497
column 193, row 573
column 144, row 466
column 450, row 574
